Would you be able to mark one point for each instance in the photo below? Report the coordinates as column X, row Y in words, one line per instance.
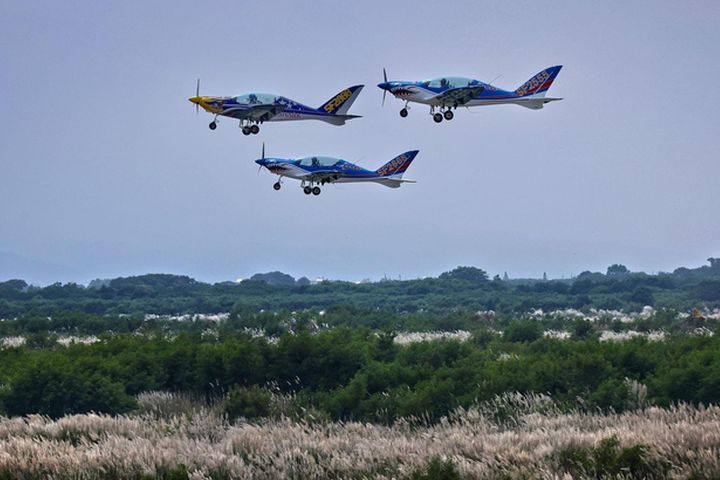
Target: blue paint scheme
column 255, row 108
column 447, row 93
column 320, row 170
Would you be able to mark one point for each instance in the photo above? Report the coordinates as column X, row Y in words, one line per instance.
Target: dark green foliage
column 436, row 469
column 355, row 373
column 53, row 385
column 581, row 329
column 469, row 274
column 617, row 269
column 608, row 459
column 462, row 289
column 274, row 278
column 250, row 403
column 523, row 331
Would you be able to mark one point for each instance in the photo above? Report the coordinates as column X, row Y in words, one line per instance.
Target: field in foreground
column 513, row 437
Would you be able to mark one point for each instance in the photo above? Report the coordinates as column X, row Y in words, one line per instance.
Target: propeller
column 197, row 94
column 263, row 157
column 384, row 91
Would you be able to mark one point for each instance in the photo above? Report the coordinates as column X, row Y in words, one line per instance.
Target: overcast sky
column 105, row 169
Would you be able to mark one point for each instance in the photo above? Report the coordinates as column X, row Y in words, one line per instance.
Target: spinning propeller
column 384, row 91
column 263, row 156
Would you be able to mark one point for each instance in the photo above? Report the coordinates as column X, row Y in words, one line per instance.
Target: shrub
column 436, row 469
column 247, row 402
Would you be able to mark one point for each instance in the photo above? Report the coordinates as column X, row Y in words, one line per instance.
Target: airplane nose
column 195, row 100
column 384, row 85
column 260, row 161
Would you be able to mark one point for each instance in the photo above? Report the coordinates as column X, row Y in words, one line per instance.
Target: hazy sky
column 105, row 170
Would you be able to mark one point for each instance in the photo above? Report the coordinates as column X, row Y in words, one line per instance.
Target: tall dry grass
column 514, row 436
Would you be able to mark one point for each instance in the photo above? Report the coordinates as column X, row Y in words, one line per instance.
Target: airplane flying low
column 252, row 109
column 449, row 93
column 319, row 170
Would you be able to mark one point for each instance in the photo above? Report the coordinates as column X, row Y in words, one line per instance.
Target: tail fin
column 397, row 166
column 340, row 103
column 540, row 83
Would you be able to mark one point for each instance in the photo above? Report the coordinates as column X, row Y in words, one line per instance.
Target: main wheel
column 254, row 129
column 316, row 190
column 307, row 190
column 276, row 185
column 213, row 125
column 438, row 117
column 404, row 112
column 246, row 130
column 448, row 115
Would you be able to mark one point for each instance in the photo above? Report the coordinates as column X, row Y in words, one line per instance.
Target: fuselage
column 425, row 92
column 306, row 167
column 238, row 106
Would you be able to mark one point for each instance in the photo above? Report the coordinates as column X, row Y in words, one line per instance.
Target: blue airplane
column 252, row 109
column 319, row 170
column 449, row 93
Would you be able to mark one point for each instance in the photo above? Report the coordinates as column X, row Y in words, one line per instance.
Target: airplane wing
column 255, row 113
column 323, row 176
column 457, row 96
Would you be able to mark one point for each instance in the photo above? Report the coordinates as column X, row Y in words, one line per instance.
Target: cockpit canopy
column 317, row 161
column 256, row 98
column 450, row 82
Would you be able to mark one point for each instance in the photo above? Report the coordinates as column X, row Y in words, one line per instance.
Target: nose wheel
column 213, row 125
column 404, row 112
column 277, row 186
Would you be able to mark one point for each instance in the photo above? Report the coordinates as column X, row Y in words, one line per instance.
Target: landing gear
column 404, row 112
column 277, row 185
column 316, row 191
column 448, row 115
column 213, row 125
column 249, row 128
column 307, row 190
column 438, row 117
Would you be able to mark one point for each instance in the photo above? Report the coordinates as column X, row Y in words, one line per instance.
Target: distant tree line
column 467, row 288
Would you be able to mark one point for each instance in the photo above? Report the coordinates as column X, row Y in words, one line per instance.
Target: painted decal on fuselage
column 393, row 165
column 533, row 83
column 338, row 100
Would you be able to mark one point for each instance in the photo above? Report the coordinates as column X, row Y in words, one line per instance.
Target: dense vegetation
column 359, row 374
column 465, row 288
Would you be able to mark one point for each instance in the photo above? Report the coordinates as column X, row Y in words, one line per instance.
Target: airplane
column 252, row 109
column 320, row 170
column 449, row 93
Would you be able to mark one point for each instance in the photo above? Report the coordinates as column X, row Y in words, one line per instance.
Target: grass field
column 514, row 436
